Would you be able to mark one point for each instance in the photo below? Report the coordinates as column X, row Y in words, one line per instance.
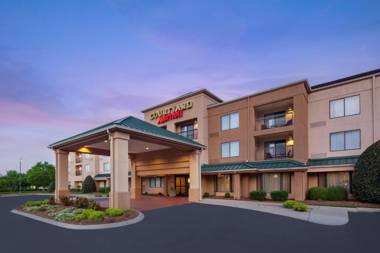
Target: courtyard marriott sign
column 172, row 112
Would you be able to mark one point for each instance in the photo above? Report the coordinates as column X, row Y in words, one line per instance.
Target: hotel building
column 291, row 138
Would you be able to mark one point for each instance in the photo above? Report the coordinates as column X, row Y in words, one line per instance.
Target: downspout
column 248, row 130
column 373, row 108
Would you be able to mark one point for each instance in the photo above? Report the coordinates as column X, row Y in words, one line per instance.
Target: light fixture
column 188, row 180
column 105, row 141
column 146, row 148
column 275, row 176
column 290, row 141
column 84, row 150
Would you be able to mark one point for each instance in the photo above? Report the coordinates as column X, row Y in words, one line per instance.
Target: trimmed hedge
column 257, row 195
column 336, row 193
column 333, row 193
column 279, row 195
column 88, row 185
column 366, row 177
column 317, row 193
column 206, row 195
column 227, row 195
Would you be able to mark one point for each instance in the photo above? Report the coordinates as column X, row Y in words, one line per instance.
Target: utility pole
column 19, row 177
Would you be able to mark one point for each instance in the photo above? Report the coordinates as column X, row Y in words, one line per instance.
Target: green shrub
column 88, row 185
column 289, row 204
column 64, row 217
column 93, row 214
column 81, row 203
column 35, row 208
column 300, row 207
column 227, row 195
column 31, row 203
column 104, row 189
column 317, row 193
column 92, row 204
column 366, row 176
column 80, row 217
column 336, row 193
column 66, row 201
column 113, row 212
column 257, row 195
column 206, row 195
column 279, row 195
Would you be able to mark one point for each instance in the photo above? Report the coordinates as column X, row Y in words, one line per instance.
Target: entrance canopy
column 126, row 140
column 144, row 137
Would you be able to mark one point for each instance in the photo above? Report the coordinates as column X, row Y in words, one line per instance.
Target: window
column 87, row 167
column 86, row 156
column 335, row 179
column 155, row 182
column 230, row 121
column 106, row 167
column 345, row 107
column 276, row 119
column 347, row 140
column 275, row 182
column 223, row 183
column 189, row 131
column 230, row 149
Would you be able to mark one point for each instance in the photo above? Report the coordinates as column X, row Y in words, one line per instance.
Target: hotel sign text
column 172, row 112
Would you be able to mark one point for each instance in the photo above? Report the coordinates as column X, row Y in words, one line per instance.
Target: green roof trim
column 256, row 165
column 135, row 125
column 108, row 175
column 279, row 164
column 341, row 160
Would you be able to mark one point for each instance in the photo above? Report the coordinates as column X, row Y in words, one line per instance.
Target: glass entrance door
column 181, row 185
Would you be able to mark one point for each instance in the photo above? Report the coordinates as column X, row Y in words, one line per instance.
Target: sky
column 67, row 66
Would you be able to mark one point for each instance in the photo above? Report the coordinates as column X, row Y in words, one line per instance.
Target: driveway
column 192, row 228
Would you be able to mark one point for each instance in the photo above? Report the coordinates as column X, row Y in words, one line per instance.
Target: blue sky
column 66, row 66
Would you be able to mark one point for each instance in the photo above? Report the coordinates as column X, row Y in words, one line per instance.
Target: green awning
column 329, row 161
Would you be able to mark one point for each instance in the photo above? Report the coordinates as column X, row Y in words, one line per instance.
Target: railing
column 275, row 121
column 283, row 153
column 78, row 172
column 78, row 159
column 191, row 134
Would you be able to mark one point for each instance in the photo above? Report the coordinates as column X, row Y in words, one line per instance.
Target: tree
column 88, row 185
column 366, row 177
column 41, row 174
column 11, row 181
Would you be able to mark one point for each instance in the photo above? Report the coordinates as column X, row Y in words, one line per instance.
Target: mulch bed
column 348, row 203
column 44, row 214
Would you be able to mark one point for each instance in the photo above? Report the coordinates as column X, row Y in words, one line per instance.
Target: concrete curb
column 135, row 220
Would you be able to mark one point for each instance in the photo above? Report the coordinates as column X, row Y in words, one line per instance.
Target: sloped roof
column 256, row 165
column 341, row 160
column 133, row 124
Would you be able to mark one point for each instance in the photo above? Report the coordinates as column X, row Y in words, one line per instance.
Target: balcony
column 275, row 120
column 78, row 172
column 281, row 151
column 191, row 134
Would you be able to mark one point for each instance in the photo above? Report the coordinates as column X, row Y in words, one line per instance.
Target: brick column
column 300, row 185
column 61, row 174
column 236, row 186
column 119, row 195
column 195, row 174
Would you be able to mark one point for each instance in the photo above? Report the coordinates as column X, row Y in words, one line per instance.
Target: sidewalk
column 324, row 215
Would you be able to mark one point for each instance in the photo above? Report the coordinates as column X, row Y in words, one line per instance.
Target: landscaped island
column 80, row 211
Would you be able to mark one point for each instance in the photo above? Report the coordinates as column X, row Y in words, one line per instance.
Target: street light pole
column 19, row 177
